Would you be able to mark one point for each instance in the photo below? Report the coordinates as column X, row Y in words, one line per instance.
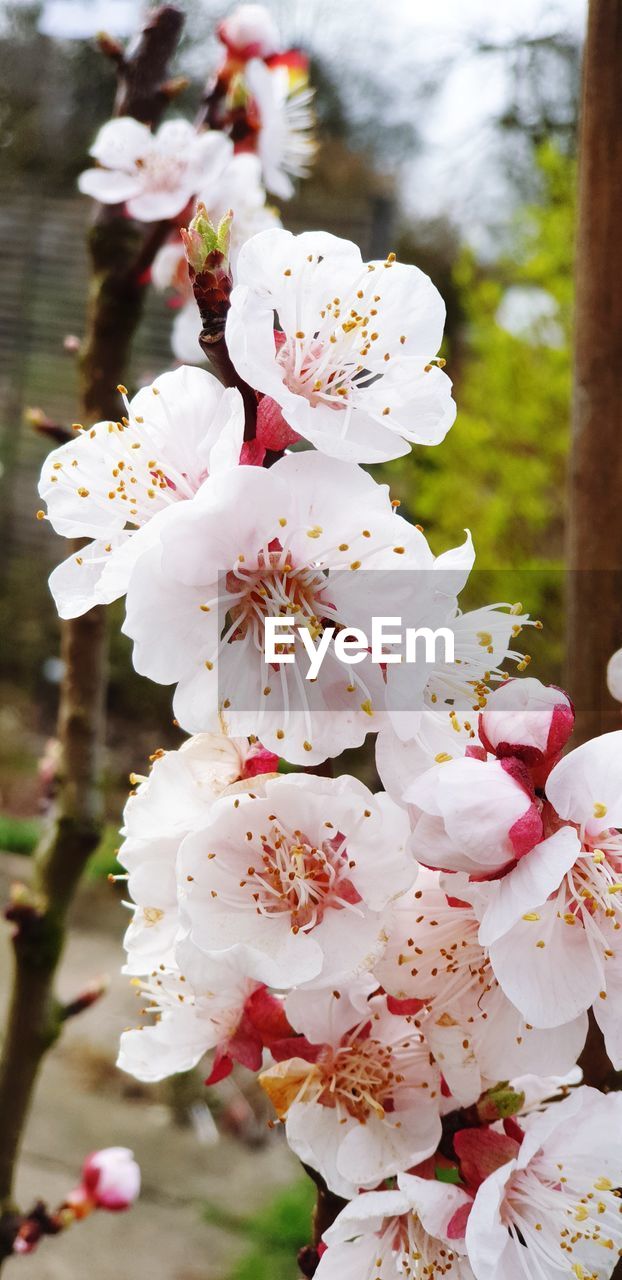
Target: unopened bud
column 528, row 720
column 110, row 1179
column 204, row 242
column 499, row 1104
column 250, row 32
column 89, row 996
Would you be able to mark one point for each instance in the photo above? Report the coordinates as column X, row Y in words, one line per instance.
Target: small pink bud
column 250, row 32
column 111, row 1178
column 528, row 720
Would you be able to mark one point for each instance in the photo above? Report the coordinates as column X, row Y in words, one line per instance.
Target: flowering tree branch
column 39, row 914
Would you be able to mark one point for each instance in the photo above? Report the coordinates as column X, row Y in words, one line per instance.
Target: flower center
column 274, row 587
column 300, row 878
column 552, row 1203
column 420, row 1256
column 591, row 894
column 329, row 368
column 358, row 1077
column 161, row 172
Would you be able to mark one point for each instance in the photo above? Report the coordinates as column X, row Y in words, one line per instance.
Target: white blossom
column 285, row 142
column 290, row 541
column 554, row 1209
column 154, row 174
column 296, row 878
column 176, row 797
column 368, row 1106
column 250, row 31
column 116, row 481
column 408, row 1232
column 354, row 373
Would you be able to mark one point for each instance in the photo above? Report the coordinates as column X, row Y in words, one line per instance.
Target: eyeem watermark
column 387, row 644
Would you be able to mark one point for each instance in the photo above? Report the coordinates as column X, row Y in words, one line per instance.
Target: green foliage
column 103, row 862
column 19, row 835
column 274, row 1235
column 22, row 835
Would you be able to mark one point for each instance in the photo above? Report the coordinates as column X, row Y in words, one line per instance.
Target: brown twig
column 328, row 1206
column 39, row 917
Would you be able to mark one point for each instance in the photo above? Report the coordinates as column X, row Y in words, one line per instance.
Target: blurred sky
column 457, row 171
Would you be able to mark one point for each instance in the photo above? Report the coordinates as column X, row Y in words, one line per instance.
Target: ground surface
column 83, row 1103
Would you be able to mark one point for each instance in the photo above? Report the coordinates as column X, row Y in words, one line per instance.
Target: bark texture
column 594, row 545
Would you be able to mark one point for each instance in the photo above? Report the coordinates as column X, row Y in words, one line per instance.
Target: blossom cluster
column 255, row 136
column 408, row 970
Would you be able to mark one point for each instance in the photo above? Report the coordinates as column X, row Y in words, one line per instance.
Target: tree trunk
column 594, row 541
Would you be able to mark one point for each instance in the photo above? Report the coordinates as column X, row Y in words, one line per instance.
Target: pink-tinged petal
column 457, row 1225
column 273, row 432
column 267, row 1015
column 260, row 761
column 111, row 1178
column 480, row 1152
column 246, row 1045
column 475, row 815
column 526, row 831
column 252, row 454
column 404, row 1008
column 527, row 719
column 222, row 1067
column 295, row 1047
column 562, row 724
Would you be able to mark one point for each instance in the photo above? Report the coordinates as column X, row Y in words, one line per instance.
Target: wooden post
column 594, row 537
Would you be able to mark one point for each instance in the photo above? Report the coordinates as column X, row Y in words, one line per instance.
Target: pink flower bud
column 529, row 720
column 477, row 816
column 111, row 1178
column 250, row 32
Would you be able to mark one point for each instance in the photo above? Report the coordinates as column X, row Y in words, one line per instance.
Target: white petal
column 120, row 142
column 108, row 186
column 553, row 984
column 589, row 777
column 535, row 877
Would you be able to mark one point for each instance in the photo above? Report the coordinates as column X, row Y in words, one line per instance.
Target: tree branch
column 39, row 915
column 328, row 1206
